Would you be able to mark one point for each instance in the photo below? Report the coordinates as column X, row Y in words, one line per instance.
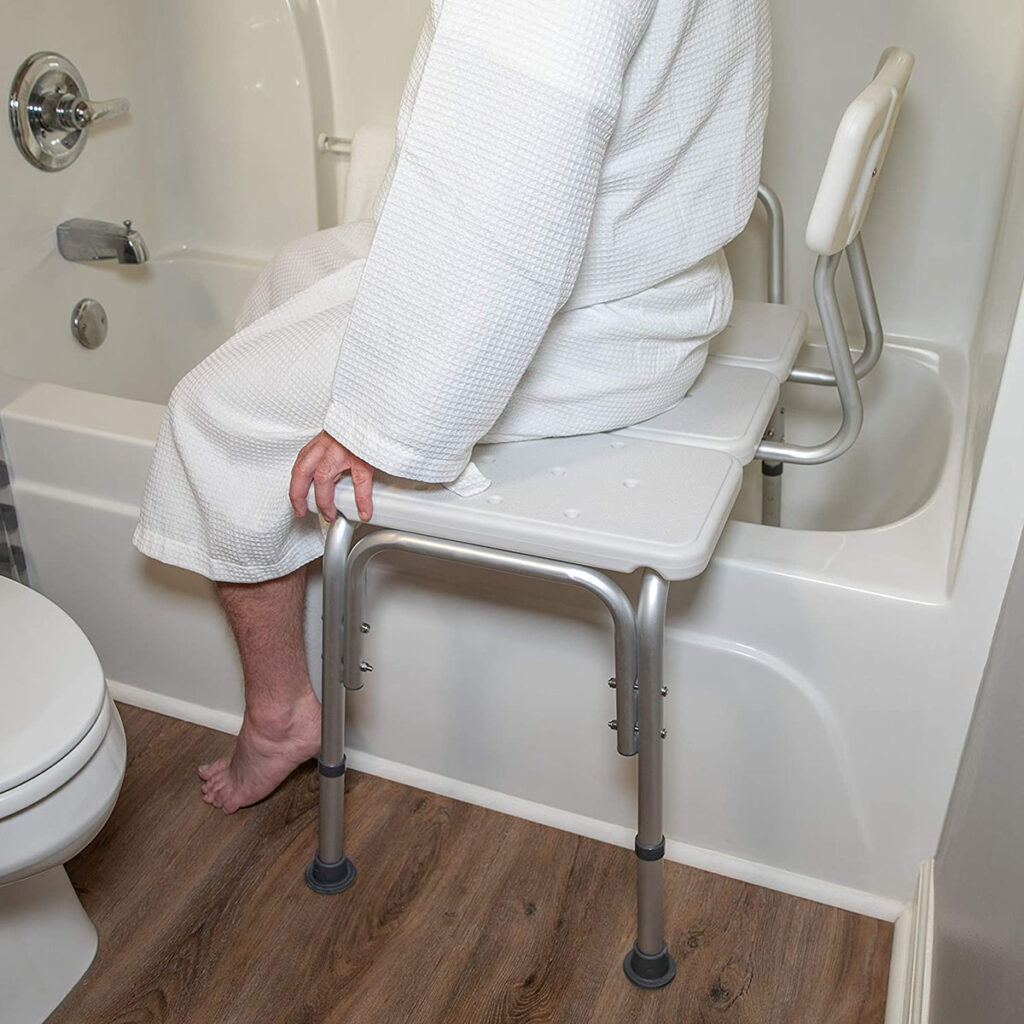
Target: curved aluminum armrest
column 773, row 208
column 867, row 306
column 843, row 372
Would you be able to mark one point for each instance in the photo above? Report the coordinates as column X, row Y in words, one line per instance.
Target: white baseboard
column 186, row 711
column 725, row 864
column 683, row 853
column 910, row 969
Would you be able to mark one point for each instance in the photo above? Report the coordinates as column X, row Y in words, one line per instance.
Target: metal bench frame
column 639, row 632
column 638, row 682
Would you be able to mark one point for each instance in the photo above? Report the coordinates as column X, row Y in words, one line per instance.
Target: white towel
column 372, row 148
column 546, row 259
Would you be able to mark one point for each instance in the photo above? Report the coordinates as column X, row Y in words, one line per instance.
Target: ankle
column 277, row 720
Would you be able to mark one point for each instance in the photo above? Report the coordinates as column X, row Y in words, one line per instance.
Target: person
column 545, row 259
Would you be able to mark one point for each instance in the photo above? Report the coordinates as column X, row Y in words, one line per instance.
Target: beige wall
column 978, row 965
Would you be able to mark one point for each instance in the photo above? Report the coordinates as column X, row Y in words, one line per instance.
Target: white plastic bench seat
column 655, row 495
column 609, row 502
column 761, row 335
column 726, row 409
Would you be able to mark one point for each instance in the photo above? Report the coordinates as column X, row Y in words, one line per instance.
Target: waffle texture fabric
column 545, row 259
column 373, row 146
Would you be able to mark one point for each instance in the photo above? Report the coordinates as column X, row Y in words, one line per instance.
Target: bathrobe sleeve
column 480, row 238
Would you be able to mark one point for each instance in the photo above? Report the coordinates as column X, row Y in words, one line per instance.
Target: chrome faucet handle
column 50, row 110
column 76, row 113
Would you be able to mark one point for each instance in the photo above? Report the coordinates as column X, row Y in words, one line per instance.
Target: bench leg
column 649, row 963
column 331, row 871
column 771, row 471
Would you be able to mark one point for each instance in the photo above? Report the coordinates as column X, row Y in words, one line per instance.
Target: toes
column 208, row 771
column 215, row 781
column 217, row 790
column 220, row 797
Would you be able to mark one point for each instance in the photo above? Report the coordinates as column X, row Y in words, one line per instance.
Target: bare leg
column 281, row 727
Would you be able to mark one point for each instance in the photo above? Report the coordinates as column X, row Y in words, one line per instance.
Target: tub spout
column 81, row 240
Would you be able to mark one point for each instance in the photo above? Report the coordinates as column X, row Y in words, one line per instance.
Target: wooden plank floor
column 459, row 916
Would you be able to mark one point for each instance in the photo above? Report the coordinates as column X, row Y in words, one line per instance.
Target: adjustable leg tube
column 331, row 871
column 771, row 472
column 649, row 963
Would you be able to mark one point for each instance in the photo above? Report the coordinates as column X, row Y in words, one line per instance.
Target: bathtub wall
column 360, row 53
column 218, row 155
column 979, row 903
column 215, row 155
column 935, row 215
column 215, row 158
column 988, row 350
column 224, row 117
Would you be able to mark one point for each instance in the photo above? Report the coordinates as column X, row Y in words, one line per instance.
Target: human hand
column 322, row 463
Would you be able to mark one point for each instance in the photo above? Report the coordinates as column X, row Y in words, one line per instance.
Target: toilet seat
column 52, row 690
column 40, row 786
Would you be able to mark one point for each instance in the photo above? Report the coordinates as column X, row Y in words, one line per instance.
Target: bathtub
column 801, row 750
column 821, row 675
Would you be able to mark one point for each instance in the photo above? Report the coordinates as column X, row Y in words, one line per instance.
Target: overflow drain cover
column 89, row 323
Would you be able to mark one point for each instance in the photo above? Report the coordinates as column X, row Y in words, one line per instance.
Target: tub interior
column 163, row 319
column 895, row 465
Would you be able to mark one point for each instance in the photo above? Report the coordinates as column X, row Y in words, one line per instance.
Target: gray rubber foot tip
column 330, row 878
column 649, row 971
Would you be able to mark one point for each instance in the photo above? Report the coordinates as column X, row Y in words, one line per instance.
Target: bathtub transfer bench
column 653, row 497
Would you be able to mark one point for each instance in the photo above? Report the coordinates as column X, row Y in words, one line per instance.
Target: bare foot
column 262, row 759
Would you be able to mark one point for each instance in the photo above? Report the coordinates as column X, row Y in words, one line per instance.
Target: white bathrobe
column 545, row 260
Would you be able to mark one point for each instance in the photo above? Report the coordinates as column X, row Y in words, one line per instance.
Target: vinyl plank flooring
column 460, row 915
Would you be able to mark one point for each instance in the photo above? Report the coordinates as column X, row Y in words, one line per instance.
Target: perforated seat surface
column 726, row 409
column 601, row 500
column 761, row 335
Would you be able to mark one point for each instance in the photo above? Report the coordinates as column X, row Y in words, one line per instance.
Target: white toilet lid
column 51, row 684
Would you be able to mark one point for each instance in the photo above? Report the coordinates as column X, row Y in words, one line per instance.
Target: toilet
column 62, row 760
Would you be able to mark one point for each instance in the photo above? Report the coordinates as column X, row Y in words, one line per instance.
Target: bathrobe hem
column 184, row 556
